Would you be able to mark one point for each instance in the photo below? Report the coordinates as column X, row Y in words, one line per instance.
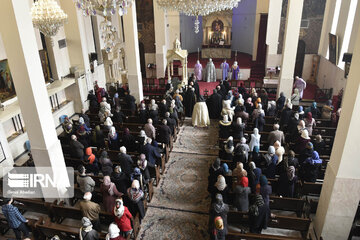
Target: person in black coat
column 121, row 179
column 238, row 129
column 76, row 148
column 151, row 152
column 163, row 133
column 292, row 127
column 218, row 208
column 130, row 102
column 224, row 127
column 118, row 115
column 163, row 108
column 85, row 117
column 214, row 171
column 280, row 102
column 226, row 85
column 319, row 145
column 128, row 141
column 125, row 161
column 189, row 101
column 221, row 89
column 259, row 214
column 214, row 104
column 285, row 117
column 170, row 122
column 143, row 113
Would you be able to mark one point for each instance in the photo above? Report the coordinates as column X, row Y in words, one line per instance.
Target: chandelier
column 197, row 7
column 48, row 17
column 103, row 7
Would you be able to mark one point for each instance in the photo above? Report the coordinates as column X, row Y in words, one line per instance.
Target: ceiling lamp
column 197, row 7
column 103, row 7
column 48, row 17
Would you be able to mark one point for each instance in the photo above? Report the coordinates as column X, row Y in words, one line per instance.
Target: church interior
column 169, row 119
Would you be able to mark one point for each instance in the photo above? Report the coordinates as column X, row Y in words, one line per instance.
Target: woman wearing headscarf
column 91, row 162
column 259, row 214
column 121, row 179
column 98, row 137
column 113, row 139
column 241, row 152
column 214, row 171
column 287, row 180
column 271, row 108
column 86, row 231
column 106, row 164
column 143, row 166
column 295, row 98
column 258, row 117
column 136, row 197
column 118, row 115
column 82, row 123
column 238, row 128
column 137, row 175
column 319, row 144
column 108, row 123
column 242, row 191
column 327, row 110
column 220, row 187
column 249, row 106
column 301, row 142
column 218, row 208
column 143, row 113
column 292, row 127
column 113, row 233
column 83, row 136
column 227, row 171
column 227, row 153
column 122, row 218
column 279, row 151
column 109, row 193
column 309, row 122
column 265, row 189
column 239, row 171
column 224, row 127
column 255, row 139
column 271, row 161
column 218, row 233
column 311, row 167
column 228, row 110
column 254, row 176
column 314, row 110
column 128, row 141
column 301, row 112
column 116, row 100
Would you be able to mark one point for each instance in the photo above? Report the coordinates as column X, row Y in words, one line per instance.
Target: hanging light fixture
column 197, row 7
column 105, row 8
column 48, row 17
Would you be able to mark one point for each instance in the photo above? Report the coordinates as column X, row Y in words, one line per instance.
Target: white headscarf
column 220, row 183
column 119, row 211
column 114, row 231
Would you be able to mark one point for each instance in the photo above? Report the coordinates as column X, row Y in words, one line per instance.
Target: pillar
column 160, row 22
column 340, row 193
column 291, row 38
column 173, row 20
column 20, row 43
column 132, row 53
column 326, row 27
column 272, row 34
column 262, row 6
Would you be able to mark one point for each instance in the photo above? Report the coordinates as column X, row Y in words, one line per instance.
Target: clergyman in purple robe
column 198, row 70
column 235, row 71
column 300, row 84
column 225, row 69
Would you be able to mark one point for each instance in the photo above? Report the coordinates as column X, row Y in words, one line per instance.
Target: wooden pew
column 254, row 236
column 309, row 188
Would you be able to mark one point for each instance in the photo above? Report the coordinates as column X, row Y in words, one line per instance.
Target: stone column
column 272, row 33
column 132, row 53
column 160, row 22
column 340, row 193
column 261, row 7
column 326, row 27
column 291, row 39
column 21, row 49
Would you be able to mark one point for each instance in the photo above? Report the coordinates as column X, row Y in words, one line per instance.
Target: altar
column 217, row 35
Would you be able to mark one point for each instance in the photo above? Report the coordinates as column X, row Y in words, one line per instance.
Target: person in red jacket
column 123, row 218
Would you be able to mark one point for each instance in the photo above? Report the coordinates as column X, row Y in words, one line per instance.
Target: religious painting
column 7, row 89
column 333, row 48
column 45, row 65
column 217, row 28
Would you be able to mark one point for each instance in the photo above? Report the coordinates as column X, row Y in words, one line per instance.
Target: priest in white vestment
column 200, row 115
column 210, row 72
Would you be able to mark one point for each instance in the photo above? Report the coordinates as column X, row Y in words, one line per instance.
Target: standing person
column 327, row 110
column 123, row 218
column 255, row 139
column 90, row 210
column 301, row 85
column 214, row 104
column 189, row 101
column 200, row 116
column 114, row 233
column 280, row 102
column 258, row 116
column 86, row 183
column 235, row 71
column 198, row 70
column 15, row 220
column 242, row 191
column 295, row 98
column 130, row 102
column 309, row 122
column 210, row 72
column 259, row 214
column 225, row 69
column 110, row 193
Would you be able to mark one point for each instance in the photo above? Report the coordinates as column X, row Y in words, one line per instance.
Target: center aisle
column 180, row 205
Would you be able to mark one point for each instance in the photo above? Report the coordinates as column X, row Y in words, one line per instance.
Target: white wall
column 190, row 40
column 243, row 26
column 330, row 76
column 173, row 25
